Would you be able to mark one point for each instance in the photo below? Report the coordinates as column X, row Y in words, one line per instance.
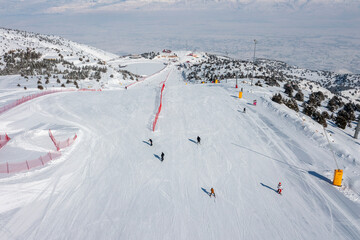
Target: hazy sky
column 66, row 6
column 322, row 34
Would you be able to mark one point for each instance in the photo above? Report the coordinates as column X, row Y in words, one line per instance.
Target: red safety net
column 160, row 105
column 62, row 144
column 28, row 98
column 159, row 109
column 89, row 90
column 27, row 165
column 3, row 140
column 42, row 160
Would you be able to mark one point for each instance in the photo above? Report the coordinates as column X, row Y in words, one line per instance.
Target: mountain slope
column 110, row 183
column 29, row 60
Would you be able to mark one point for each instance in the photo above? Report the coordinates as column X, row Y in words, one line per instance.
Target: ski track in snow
column 111, row 185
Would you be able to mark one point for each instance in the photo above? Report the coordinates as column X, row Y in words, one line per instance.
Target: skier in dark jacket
column 162, row 156
column 198, row 139
column 150, row 140
column 244, row 110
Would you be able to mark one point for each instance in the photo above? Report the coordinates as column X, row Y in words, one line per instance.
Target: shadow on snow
column 192, row 141
column 157, row 156
column 292, row 166
column 315, row 174
column 205, row 191
column 268, row 187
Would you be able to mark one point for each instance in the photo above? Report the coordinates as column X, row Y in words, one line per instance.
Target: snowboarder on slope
column 162, row 156
column 150, row 140
column 279, row 188
column 212, row 192
column 198, row 139
column 254, row 102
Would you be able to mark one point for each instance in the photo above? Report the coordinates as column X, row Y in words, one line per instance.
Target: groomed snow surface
column 110, row 184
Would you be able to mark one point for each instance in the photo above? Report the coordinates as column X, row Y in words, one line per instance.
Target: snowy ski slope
column 110, row 184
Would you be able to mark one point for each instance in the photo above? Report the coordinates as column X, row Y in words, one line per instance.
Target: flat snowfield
column 111, row 184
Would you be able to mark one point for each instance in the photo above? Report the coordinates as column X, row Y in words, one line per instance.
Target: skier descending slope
column 162, row 156
column 198, row 140
column 279, row 188
column 150, row 140
column 212, row 192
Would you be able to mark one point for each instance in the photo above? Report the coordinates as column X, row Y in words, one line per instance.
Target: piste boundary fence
column 60, row 145
column 41, row 161
column 160, row 105
column 33, row 96
column 4, row 140
column 28, row 98
column 27, row 165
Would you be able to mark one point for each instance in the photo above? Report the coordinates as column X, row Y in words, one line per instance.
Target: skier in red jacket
column 212, row 192
column 279, row 188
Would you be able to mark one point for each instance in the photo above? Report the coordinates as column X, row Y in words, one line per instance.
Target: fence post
column 27, row 165
column 7, row 167
column 41, row 160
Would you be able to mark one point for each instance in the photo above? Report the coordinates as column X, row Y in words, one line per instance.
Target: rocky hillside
column 219, row 67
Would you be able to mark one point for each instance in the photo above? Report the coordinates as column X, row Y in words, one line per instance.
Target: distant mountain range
column 40, row 56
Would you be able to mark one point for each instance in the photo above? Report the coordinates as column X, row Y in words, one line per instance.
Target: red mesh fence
column 89, row 90
column 42, row 160
column 27, row 165
column 159, row 109
column 160, row 105
column 62, row 144
column 3, row 140
column 28, row 98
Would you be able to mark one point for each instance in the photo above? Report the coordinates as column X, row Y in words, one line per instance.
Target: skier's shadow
column 157, row 156
column 147, row 143
column 268, row 187
column 192, row 141
column 206, row 191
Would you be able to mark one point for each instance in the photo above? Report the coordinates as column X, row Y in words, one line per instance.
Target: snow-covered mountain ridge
column 36, row 60
column 54, row 48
